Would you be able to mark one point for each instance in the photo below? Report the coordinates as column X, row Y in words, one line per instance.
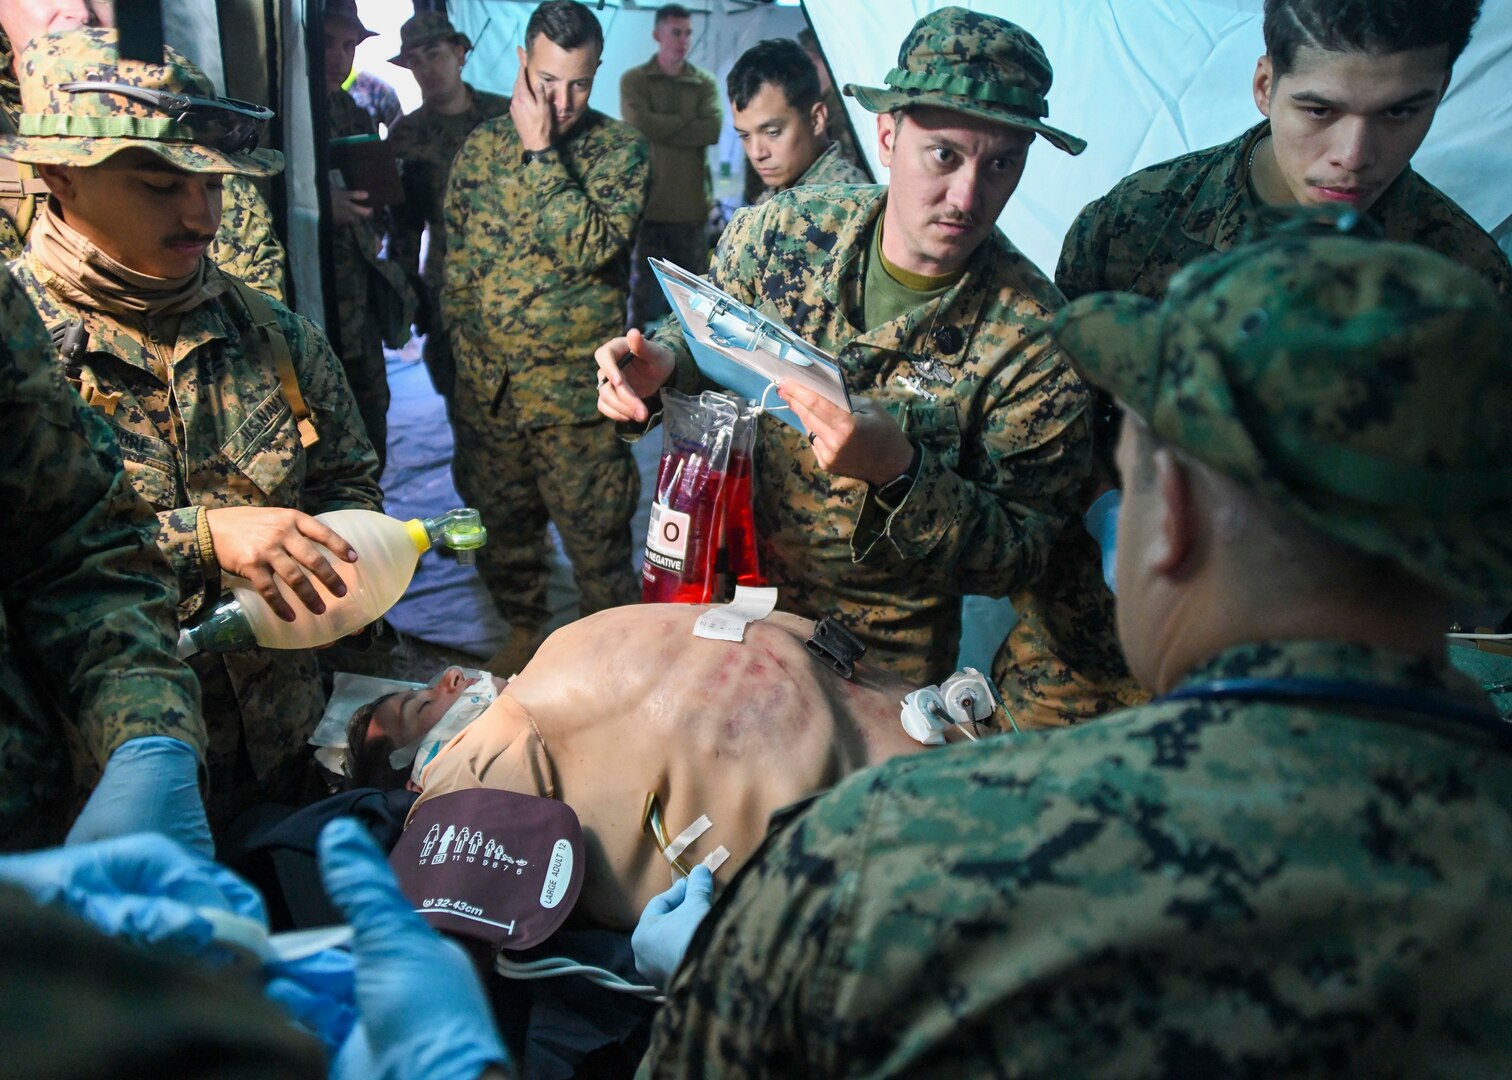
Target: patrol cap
column 971, row 63
column 346, row 11
column 82, row 103
column 423, row 29
column 1361, row 385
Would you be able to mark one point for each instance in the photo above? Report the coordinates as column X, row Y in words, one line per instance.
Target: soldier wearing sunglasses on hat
column 955, row 473
column 245, row 244
column 233, row 415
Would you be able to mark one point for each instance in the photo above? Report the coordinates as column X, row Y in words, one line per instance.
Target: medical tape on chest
column 652, row 822
column 729, row 621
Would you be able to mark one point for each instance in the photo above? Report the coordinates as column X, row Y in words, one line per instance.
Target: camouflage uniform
column 536, row 277
column 425, row 142
column 202, row 420
column 680, row 116
column 86, row 627
column 245, row 244
column 373, row 301
column 1153, row 223
column 830, row 167
column 999, row 420
column 1305, row 885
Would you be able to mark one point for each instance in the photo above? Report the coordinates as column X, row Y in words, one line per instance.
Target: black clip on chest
column 836, row 646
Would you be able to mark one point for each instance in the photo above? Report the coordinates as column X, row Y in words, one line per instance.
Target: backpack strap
column 266, row 324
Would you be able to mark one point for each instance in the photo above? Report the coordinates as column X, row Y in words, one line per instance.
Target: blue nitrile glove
column 319, row 992
column 667, row 925
column 144, row 888
column 421, row 1011
column 1101, row 520
column 150, row 784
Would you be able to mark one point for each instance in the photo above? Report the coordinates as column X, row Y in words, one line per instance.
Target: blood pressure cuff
column 496, row 866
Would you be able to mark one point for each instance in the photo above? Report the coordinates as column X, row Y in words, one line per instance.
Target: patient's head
column 398, row 719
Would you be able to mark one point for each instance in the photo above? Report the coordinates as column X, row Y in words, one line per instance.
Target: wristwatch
column 892, row 493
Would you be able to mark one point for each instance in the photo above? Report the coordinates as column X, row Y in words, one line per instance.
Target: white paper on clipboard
column 743, row 350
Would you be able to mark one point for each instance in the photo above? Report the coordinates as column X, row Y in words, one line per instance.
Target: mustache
column 189, row 238
column 957, row 218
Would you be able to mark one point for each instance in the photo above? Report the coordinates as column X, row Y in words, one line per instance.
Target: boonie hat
column 971, row 63
column 346, row 11
column 424, row 28
column 81, row 103
column 1362, row 385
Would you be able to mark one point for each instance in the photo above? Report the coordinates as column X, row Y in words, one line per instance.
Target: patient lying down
column 628, row 703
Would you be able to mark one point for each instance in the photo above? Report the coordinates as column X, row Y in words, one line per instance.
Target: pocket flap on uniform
column 266, row 446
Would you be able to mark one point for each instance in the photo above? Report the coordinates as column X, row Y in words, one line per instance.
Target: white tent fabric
column 1146, row 80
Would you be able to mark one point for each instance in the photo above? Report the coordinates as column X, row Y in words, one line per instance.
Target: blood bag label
column 667, row 538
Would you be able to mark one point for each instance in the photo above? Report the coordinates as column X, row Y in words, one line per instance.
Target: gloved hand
column 319, row 992
column 667, row 925
column 1101, row 520
column 150, row 784
column 144, row 888
column 421, row 1011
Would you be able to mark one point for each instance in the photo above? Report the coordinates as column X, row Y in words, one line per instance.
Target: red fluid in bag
column 683, row 538
column 740, row 523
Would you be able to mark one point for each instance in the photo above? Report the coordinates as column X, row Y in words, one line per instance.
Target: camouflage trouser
column 685, row 243
column 580, row 476
column 364, row 367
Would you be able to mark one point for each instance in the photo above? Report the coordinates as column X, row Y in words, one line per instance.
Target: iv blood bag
column 741, row 560
column 687, row 514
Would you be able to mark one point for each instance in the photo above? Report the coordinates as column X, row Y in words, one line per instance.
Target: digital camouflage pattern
column 1315, row 371
column 998, row 415
column 1194, row 888
column 830, row 167
column 1061, row 663
column 202, row 423
column 682, row 243
column 973, row 63
column 1153, row 223
column 536, row 278
column 422, row 29
column 87, row 629
column 245, row 244
column 425, row 142
column 374, row 304
column 59, row 128
column 521, row 477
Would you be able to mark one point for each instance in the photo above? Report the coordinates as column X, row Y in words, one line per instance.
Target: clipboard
column 745, row 351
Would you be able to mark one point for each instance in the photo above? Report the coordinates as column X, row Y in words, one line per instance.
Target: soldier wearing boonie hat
column 424, row 29
column 245, row 245
column 1270, row 869
column 973, row 63
column 958, row 472
column 425, row 142
column 235, row 422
